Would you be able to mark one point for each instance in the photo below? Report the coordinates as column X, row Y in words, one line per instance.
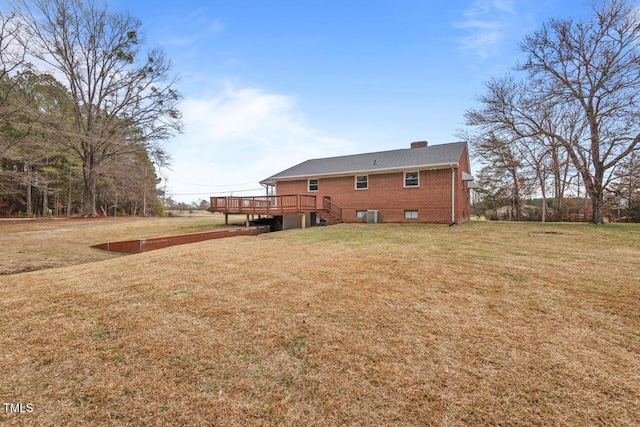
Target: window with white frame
column 411, row 214
column 411, row 179
column 361, row 214
column 362, row 182
column 313, row 185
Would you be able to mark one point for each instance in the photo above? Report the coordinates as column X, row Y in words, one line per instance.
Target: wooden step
column 329, row 218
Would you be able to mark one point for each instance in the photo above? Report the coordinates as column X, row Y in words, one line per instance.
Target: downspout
column 453, row 195
column 267, row 186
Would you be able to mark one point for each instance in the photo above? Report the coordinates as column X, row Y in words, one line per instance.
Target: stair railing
column 332, row 208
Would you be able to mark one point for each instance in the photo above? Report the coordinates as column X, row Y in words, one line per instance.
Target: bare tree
column 582, row 92
column 507, row 121
column 505, row 174
column 12, row 54
column 591, row 69
column 536, row 155
column 626, row 187
column 122, row 103
column 562, row 177
column 12, row 58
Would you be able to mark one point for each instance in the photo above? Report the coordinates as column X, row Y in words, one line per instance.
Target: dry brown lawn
column 479, row 324
column 28, row 245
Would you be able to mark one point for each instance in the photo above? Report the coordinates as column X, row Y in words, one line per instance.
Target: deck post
column 304, row 220
column 226, row 219
column 247, row 223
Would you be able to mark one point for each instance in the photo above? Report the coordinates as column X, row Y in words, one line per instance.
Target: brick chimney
column 418, row 144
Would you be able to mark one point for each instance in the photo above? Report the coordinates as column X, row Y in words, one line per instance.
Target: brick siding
column 387, row 194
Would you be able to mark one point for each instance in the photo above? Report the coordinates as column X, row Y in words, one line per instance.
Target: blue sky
column 268, row 84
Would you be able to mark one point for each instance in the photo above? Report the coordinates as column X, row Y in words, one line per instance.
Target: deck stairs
column 329, row 218
column 331, row 213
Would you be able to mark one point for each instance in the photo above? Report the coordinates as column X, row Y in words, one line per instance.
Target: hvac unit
column 372, row 217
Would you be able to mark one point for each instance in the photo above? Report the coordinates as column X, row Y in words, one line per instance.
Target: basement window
column 361, row 214
column 411, row 179
column 411, row 214
column 362, row 182
column 313, row 185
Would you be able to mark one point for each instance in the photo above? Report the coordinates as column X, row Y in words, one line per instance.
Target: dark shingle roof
column 433, row 155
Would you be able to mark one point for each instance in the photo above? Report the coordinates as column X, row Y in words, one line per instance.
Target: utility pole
column 164, row 194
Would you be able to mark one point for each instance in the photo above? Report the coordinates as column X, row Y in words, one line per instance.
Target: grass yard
column 364, row 324
column 27, row 245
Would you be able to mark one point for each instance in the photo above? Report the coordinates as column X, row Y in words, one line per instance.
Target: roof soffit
column 364, row 172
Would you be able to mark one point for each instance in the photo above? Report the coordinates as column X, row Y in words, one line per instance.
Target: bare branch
column 123, row 101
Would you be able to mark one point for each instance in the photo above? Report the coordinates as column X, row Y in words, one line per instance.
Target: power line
column 210, row 185
column 216, row 192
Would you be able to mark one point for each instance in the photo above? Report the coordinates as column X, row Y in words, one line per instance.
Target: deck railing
column 264, row 204
column 332, row 208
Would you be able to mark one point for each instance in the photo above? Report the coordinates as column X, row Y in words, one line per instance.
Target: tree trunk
column 69, row 200
column 597, row 204
column 544, row 202
column 29, row 203
column 27, row 171
column 45, row 201
column 516, row 197
column 596, row 192
column 90, row 177
column 144, row 194
column 557, row 186
column 89, row 207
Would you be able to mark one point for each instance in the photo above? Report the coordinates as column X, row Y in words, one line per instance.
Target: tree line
column 83, row 111
column 567, row 121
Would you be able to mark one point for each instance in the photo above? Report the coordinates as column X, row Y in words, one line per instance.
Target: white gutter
column 369, row 171
column 266, row 186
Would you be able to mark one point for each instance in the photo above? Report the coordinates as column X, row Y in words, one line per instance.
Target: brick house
column 428, row 184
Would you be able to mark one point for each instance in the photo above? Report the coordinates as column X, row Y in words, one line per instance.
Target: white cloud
column 487, row 24
column 216, row 26
column 201, row 16
column 239, row 137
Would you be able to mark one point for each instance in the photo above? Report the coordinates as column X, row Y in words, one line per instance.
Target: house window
column 313, row 185
column 411, row 214
column 411, row 179
column 362, row 182
column 361, row 214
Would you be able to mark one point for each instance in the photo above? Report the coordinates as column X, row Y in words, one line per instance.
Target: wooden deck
column 264, row 205
column 276, row 206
